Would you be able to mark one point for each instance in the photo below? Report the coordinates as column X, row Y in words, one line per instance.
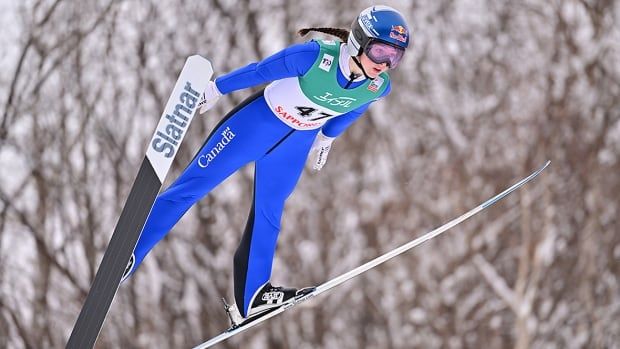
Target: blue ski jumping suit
column 250, row 132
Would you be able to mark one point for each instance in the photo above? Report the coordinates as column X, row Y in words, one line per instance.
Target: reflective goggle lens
column 380, row 52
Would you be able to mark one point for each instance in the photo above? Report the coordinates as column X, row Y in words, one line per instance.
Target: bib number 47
column 307, row 112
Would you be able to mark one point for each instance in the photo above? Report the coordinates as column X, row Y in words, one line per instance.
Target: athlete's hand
column 320, row 148
column 209, row 97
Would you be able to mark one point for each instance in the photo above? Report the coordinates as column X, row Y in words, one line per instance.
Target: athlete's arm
column 294, row 60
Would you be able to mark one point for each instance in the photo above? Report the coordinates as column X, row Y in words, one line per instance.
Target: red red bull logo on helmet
column 399, row 33
column 399, row 29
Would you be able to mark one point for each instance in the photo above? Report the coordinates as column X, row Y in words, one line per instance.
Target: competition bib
column 308, row 101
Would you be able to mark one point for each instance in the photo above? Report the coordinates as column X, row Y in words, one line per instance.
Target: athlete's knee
column 188, row 192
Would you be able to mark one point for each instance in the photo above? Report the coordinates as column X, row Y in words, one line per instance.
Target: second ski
column 240, row 327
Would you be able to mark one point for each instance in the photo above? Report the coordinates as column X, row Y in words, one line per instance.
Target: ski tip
column 198, row 59
column 514, row 187
column 543, row 167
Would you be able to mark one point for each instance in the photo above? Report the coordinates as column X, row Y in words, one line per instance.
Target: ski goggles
column 380, row 52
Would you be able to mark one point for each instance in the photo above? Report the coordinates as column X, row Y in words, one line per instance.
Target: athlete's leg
column 275, row 177
column 244, row 135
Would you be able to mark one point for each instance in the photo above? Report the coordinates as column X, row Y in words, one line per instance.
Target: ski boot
column 267, row 298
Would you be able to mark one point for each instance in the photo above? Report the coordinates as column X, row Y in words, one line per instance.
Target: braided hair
column 342, row 34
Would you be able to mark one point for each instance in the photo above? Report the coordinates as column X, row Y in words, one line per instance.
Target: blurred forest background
column 489, row 90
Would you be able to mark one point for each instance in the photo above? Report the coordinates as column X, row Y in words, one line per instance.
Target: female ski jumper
column 275, row 128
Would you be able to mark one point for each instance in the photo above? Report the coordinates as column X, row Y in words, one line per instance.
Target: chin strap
column 361, row 67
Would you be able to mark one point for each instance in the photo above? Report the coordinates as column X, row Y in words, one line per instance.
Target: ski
column 173, row 124
column 251, row 322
